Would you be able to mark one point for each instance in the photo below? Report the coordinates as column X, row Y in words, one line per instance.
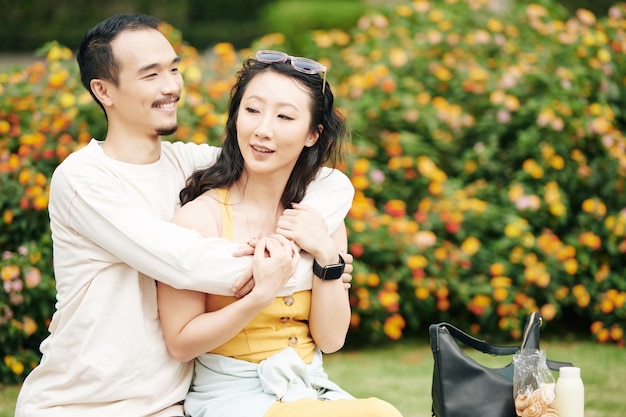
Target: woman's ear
column 314, row 136
column 100, row 89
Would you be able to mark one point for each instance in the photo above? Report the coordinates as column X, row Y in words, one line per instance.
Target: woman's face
column 273, row 123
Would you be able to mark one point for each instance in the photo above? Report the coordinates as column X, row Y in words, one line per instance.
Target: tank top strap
column 223, row 218
column 227, row 213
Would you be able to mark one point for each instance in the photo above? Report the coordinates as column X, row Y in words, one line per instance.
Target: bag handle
column 468, row 340
column 530, row 339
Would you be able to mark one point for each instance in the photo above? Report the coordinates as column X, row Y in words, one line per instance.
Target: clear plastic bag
column 534, row 388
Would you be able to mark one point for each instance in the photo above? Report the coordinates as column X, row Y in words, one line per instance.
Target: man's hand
column 244, row 284
column 346, row 277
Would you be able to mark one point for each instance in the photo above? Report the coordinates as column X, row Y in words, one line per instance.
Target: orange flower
column 396, row 208
column 356, row 249
column 590, row 240
column 393, row 326
column 496, row 269
column 389, row 300
column 616, row 333
column 479, row 304
column 596, row 326
column 548, row 311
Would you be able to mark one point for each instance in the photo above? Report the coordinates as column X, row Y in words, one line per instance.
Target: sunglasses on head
column 304, row 65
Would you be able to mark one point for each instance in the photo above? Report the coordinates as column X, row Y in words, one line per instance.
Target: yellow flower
column 557, row 209
column 58, row 78
column 535, row 10
column 594, row 206
column 557, row 162
column 360, row 166
column 67, row 100
column 604, row 56
column 435, row 15
column 470, row 246
column 57, row 53
column 570, row 266
column 373, row 280
column 422, row 293
column 495, row 25
column 511, row 102
column 532, row 168
column 417, row 262
column 40, row 202
column 5, row 127
column 398, row 57
column 393, row 326
column 8, row 216
column 30, row 326
column 500, row 294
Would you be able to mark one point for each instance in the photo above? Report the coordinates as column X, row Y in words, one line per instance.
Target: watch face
column 333, row 271
column 329, row 272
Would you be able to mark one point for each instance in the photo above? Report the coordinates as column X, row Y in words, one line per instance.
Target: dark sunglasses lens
column 307, row 65
column 272, row 56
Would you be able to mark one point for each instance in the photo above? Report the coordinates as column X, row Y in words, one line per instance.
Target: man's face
column 145, row 100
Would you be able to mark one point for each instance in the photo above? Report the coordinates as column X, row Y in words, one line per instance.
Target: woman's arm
column 188, row 329
column 330, row 305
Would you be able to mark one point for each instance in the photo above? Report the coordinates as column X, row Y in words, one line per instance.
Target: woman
column 262, row 355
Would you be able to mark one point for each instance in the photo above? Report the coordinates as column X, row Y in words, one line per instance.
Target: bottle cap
column 569, row 372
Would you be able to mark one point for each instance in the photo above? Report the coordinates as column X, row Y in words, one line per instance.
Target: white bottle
column 570, row 393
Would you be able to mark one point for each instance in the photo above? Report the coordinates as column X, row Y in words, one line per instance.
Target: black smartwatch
column 329, row 272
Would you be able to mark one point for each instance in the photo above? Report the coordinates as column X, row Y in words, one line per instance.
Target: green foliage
column 296, row 19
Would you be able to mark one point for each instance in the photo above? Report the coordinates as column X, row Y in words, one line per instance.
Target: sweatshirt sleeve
column 330, row 193
column 169, row 253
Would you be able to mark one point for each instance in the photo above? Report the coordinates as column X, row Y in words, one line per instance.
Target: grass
column 401, row 374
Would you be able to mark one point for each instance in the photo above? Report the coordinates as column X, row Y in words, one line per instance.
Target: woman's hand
column 307, row 228
column 275, row 261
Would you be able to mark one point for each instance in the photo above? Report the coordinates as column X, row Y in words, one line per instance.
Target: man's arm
column 103, row 215
column 330, row 194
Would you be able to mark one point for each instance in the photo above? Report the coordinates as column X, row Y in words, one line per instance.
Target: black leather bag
column 463, row 387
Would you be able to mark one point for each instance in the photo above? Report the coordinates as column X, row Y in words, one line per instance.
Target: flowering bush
column 490, row 166
column 488, row 159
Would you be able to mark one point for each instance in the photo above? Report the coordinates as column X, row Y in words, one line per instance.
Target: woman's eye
column 284, row 117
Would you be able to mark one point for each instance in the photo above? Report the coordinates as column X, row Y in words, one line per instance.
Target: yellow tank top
column 283, row 324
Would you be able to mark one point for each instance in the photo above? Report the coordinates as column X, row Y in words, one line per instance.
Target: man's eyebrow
column 156, row 65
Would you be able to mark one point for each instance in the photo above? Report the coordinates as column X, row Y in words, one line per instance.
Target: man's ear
column 100, row 89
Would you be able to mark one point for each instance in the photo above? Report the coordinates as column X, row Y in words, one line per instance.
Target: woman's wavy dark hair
column 328, row 148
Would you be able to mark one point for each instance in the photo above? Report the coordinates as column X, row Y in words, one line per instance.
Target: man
column 109, row 209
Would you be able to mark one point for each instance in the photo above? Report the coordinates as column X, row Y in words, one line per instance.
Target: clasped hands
column 298, row 228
